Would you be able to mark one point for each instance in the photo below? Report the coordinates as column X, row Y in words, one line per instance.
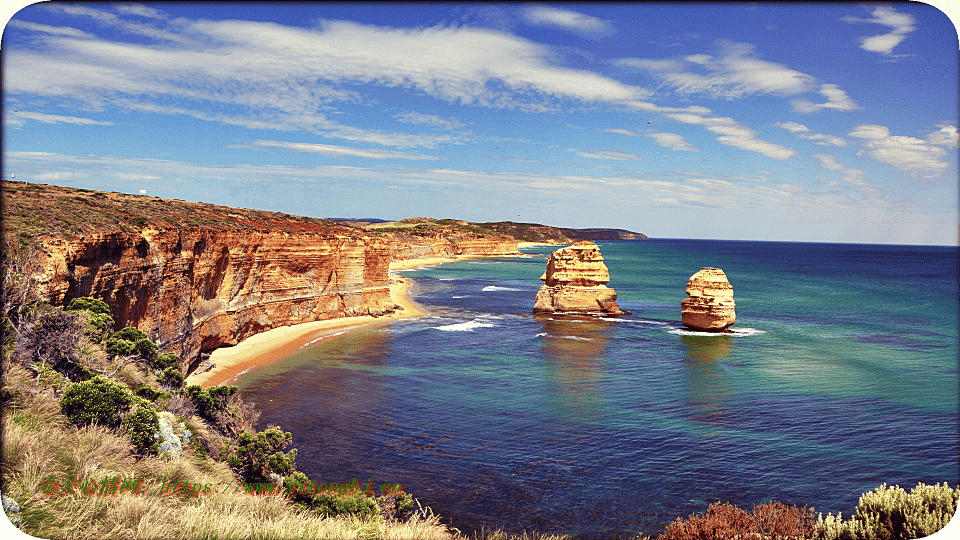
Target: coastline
column 273, row 345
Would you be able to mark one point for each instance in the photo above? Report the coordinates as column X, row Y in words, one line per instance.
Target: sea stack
column 710, row 304
column 575, row 283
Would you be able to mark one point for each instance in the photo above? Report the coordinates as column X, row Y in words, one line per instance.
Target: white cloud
column 671, row 141
column 47, row 29
column 733, row 133
column 578, row 23
column 735, row 73
column 16, row 118
column 901, row 24
column 338, row 151
column 837, row 100
column 284, row 76
column 946, row 136
column 427, row 120
column 619, row 131
column 609, row 154
column 803, row 132
column 920, row 157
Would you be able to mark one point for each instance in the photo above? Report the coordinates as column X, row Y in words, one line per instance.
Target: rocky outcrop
column 575, row 283
column 710, row 304
column 195, row 289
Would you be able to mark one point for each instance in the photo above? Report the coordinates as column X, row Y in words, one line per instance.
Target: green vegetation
column 890, row 513
column 96, row 401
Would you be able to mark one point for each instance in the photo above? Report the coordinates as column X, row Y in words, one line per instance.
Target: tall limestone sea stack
column 709, row 305
column 575, row 283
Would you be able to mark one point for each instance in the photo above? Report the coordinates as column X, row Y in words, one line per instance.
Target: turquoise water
column 843, row 375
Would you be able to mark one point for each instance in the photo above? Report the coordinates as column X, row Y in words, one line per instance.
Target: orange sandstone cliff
column 196, row 289
column 197, row 276
column 575, row 283
column 709, row 305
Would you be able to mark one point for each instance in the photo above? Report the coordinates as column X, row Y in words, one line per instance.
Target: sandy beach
column 274, row 345
column 521, row 245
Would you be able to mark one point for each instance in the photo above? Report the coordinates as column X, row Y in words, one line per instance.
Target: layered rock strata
column 195, row 289
column 443, row 245
column 575, row 283
column 710, row 304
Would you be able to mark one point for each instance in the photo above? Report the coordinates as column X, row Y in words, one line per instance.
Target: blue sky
column 832, row 122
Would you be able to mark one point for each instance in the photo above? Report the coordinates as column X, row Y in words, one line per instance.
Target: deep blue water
column 843, row 375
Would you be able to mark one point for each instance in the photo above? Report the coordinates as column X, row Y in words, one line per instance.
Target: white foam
column 465, row 296
column 490, row 288
column 323, row 337
column 735, row 332
column 577, row 338
column 465, row 326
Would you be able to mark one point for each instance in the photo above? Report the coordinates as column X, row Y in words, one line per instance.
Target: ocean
column 842, row 376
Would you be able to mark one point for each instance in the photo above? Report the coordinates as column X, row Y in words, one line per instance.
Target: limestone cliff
column 710, row 304
column 198, row 276
column 195, row 289
column 575, row 283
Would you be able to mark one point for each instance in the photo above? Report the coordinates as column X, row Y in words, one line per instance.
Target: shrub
column 890, row 513
column 148, row 392
column 147, row 350
column 96, row 316
column 51, row 338
column 143, row 425
column 724, row 521
column 95, row 401
column 166, row 360
column 171, row 377
column 119, row 347
column 332, row 505
column 208, row 400
column 89, row 304
column 259, row 454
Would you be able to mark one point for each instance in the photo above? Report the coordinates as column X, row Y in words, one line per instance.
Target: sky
column 832, row 122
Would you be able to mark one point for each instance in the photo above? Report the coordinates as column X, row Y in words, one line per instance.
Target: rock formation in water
column 575, row 283
column 709, row 305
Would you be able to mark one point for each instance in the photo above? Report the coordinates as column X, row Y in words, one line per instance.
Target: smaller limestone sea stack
column 710, row 304
column 575, row 283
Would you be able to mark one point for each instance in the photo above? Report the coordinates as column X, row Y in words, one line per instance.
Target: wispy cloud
column 672, row 141
column 900, row 23
column 609, row 154
column 837, row 100
column 578, row 23
column 734, row 73
column 922, row 158
column 336, row 151
column 16, row 118
column 427, row 120
column 47, row 29
column 803, row 132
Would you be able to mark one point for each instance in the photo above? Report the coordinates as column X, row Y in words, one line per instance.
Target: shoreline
column 270, row 347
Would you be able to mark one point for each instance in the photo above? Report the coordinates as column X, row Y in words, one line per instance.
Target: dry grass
column 38, row 442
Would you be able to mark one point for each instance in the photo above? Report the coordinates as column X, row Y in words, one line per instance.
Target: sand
column 274, row 345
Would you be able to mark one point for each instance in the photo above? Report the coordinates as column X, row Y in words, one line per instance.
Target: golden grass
column 38, row 443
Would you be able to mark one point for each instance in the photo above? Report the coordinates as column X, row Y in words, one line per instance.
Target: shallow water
column 842, row 375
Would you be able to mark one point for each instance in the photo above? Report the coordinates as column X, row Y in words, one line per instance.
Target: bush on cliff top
column 95, row 401
column 890, row 513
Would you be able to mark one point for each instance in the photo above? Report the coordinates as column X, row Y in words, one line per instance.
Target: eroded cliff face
column 447, row 245
column 575, row 283
column 198, row 288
